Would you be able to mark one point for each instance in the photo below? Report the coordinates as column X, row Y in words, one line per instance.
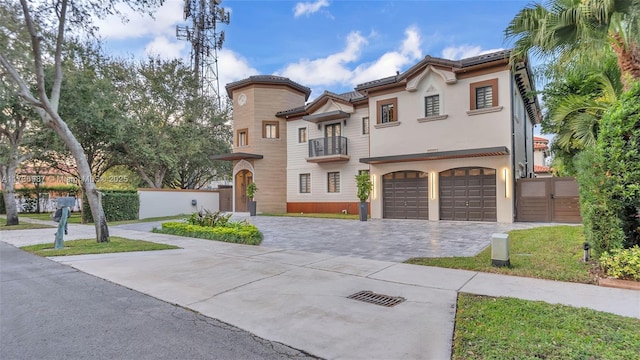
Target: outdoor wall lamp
column 433, row 185
column 194, row 202
column 506, row 182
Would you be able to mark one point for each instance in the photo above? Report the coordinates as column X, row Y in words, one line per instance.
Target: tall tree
column 90, row 108
column 59, row 16
column 566, row 30
column 172, row 129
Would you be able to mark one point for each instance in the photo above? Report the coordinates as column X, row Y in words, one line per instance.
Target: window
column 387, row 111
column 484, row 94
column 333, row 182
column 242, row 137
column 305, row 183
column 365, row 125
column 484, row 97
column 270, row 130
column 302, row 135
column 432, row 105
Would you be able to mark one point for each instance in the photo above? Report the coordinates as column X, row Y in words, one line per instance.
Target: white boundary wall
column 168, row 202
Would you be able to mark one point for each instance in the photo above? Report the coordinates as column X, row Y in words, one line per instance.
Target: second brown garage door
column 405, row 195
column 468, row 194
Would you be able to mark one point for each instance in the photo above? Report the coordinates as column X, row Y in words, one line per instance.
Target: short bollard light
column 587, row 251
column 500, row 250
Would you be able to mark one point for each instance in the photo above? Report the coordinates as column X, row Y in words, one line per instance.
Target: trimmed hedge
column 118, row 205
column 233, row 232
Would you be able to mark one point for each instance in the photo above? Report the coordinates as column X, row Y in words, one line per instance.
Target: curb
column 621, row 284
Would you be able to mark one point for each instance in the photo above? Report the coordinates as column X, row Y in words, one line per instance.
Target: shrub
column 622, row 263
column 3, row 210
column 609, row 178
column 118, row 205
column 234, row 232
column 208, row 218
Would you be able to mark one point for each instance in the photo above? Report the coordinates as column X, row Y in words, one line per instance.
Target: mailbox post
column 65, row 204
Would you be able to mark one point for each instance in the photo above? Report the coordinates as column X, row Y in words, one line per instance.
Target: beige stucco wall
column 161, row 202
column 458, row 131
column 357, row 145
column 263, row 102
column 504, row 197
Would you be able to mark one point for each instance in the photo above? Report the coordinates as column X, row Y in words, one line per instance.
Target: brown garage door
column 404, row 195
column 468, row 194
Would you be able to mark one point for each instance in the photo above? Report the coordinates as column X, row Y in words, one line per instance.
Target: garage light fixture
column 433, row 185
column 506, row 182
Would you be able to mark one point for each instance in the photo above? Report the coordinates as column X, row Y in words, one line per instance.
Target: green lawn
column 22, row 226
column 505, row 328
column 550, row 252
column 90, row 246
column 76, row 218
column 316, row 215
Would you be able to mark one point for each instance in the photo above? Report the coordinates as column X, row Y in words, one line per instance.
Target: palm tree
column 570, row 31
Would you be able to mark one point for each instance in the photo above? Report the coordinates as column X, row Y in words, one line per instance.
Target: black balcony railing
column 335, row 145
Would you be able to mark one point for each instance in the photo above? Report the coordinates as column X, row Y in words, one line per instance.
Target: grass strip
column 22, row 226
column 91, row 246
column 548, row 252
column 507, row 328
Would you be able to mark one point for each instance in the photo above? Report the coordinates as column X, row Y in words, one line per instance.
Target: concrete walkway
column 300, row 298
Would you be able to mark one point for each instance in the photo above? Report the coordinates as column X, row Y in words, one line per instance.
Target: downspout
column 513, row 149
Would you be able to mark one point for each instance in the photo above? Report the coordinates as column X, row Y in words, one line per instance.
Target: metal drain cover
column 378, row 299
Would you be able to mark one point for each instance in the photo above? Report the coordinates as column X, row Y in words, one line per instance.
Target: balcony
column 328, row 149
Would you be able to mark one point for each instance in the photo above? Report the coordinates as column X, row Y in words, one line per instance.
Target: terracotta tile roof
column 541, row 169
column 540, row 139
column 540, row 147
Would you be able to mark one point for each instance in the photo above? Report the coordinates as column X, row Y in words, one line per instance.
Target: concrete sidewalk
column 300, row 298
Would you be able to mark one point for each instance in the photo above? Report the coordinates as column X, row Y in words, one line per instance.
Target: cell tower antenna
column 206, row 40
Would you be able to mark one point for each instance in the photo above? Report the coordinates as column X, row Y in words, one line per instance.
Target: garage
column 405, row 195
column 468, row 194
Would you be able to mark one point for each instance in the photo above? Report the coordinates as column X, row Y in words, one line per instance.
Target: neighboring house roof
column 268, row 79
column 541, row 169
column 540, row 139
column 540, row 147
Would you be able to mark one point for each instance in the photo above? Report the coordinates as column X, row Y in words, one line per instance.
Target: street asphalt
column 53, row 311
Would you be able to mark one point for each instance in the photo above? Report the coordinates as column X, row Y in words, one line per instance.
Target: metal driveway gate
column 553, row 199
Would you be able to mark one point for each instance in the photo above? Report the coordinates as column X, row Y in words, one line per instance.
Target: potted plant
column 364, row 185
column 251, row 192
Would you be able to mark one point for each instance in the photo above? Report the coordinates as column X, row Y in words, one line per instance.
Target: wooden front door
column 243, row 178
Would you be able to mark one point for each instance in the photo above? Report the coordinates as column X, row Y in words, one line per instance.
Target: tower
column 206, row 39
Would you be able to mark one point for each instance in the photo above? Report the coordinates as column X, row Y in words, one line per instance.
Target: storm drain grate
column 378, row 299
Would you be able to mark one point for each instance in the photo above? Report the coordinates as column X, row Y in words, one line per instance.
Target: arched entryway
column 243, row 178
column 468, row 194
column 405, row 195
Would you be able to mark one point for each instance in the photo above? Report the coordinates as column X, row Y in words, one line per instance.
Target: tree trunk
column 8, row 174
column 628, row 60
column 86, row 180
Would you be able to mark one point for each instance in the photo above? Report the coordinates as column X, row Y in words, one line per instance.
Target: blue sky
column 326, row 44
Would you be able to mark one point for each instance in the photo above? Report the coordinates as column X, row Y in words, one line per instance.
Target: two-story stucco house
column 444, row 140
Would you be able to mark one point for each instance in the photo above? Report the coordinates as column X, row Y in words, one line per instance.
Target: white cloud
column 334, row 70
column 165, row 48
column 142, row 25
column 232, row 67
column 330, row 70
column 390, row 62
column 308, row 8
column 464, row 51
